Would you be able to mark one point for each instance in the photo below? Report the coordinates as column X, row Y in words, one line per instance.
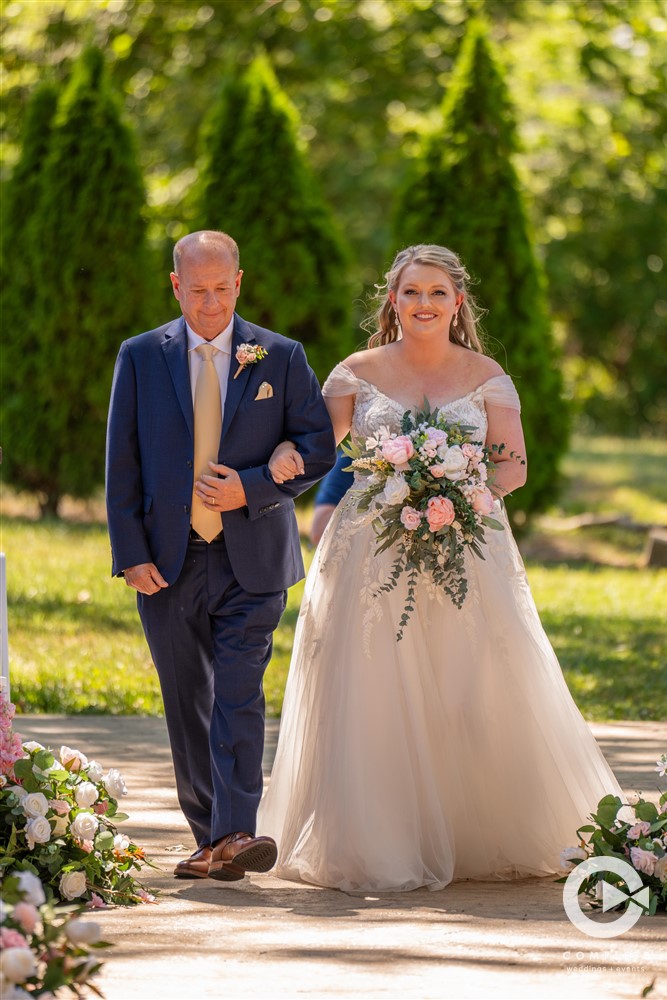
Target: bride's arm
column 340, row 409
column 505, row 428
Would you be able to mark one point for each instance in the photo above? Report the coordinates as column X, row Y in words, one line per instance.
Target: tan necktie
column 208, row 427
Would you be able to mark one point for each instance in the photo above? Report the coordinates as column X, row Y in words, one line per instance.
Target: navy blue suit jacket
column 150, row 454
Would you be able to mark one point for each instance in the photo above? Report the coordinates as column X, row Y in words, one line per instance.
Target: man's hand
column 146, row 578
column 224, row 493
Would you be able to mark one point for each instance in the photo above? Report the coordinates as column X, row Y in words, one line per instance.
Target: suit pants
column 211, row 642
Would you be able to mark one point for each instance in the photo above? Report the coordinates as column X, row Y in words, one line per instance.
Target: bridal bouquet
column 44, row 947
column 429, row 490
column 642, row 843
column 57, row 820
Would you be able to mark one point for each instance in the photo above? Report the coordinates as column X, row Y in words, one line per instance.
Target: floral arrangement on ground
column 58, row 818
column 641, row 842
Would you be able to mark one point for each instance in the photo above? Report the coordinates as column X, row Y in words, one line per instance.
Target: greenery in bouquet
column 428, row 489
column 58, row 820
column 641, row 842
column 44, row 946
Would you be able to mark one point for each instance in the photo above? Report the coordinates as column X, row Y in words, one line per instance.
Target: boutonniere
column 248, row 354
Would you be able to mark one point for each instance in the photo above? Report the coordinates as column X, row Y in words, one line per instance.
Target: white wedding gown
column 455, row 753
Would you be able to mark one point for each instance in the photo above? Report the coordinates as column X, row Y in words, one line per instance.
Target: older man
column 207, row 539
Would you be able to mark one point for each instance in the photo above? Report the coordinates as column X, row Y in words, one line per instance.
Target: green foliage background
column 82, row 241
column 367, row 78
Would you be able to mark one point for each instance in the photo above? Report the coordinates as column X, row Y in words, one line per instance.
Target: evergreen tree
column 85, row 236
column 464, row 193
column 257, row 186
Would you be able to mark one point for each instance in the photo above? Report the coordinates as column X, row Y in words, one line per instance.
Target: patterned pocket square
column 265, row 391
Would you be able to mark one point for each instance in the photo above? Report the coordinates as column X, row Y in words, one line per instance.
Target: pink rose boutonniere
column 249, row 354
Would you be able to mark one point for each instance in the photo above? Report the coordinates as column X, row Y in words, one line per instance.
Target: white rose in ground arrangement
column 17, row 790
column 84, row 826
column 74, row 758
column 95, row 771
column 37, row 831
column 121, row 843
column 35, row 804
column 568, row 854
column 83, row 932
column 60, row 826
column 73, row 884
column 32, row 888
column 32, row 745
column 115, row 783
column 85, row 794
column 17, row 964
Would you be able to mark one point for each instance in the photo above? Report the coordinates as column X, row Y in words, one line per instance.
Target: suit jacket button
column 189, row 464
column 186, row 509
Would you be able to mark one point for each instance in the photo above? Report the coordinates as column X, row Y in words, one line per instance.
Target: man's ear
column 175, row 284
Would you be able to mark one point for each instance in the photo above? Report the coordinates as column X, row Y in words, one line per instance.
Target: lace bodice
column 373, row 409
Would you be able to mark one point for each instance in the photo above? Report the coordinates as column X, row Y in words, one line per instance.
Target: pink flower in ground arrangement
column 27, row 916
column 644, row 861
column 398, row 450
column 11, row 747
column 10, row 938
column 641, row 829
column 439, row 513
column 410, row 518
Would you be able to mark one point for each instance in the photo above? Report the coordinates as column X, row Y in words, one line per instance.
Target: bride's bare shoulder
column 364, row 363
column 480, row 367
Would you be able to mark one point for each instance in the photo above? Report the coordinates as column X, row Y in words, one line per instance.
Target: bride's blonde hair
column 383, row 322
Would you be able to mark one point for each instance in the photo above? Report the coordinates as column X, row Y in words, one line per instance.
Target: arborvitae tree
column 257, row 186
column 86, row 239
column 464, row 193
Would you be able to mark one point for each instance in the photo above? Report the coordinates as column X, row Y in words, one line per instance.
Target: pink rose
column 644, row 861
column 59, row 806
column 10, row 938
column 410, row 518
column 100, row 808
column 482, row 501
column 439, row 513
column 398, row 450
column 87, row 846
column 27, row 916
column 641, row 829
column 96, row 902
column 472, row 452
column 435, row 437
column 437, row 471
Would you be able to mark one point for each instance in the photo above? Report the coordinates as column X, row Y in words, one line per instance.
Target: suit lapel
column 175, row 348
column 236, row 386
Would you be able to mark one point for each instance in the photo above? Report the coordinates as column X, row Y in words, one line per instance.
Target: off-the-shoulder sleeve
column 500, row 391
column 341, row 382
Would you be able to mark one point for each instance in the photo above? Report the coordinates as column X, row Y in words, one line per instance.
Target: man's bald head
column 208, row 243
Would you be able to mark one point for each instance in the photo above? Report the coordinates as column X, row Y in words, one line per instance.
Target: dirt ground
column 264, row 937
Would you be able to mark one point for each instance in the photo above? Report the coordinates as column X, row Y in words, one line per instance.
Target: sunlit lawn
column 76, row 644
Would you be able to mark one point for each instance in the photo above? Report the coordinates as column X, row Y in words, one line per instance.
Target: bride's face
column 425, row 300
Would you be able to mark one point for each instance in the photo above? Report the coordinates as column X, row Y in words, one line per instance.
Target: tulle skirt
column 455, row 753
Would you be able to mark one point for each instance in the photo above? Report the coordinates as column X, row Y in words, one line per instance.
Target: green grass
column 76, row 644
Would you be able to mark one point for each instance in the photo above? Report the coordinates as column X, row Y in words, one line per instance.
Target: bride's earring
column 456, row 320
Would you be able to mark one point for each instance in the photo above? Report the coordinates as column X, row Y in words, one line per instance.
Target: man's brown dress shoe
column 242, row 852
column 196, row 866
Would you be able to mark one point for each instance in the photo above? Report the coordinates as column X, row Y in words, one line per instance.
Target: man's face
column 207, row 288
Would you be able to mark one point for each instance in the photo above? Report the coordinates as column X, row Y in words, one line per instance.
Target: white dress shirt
column 221, row 359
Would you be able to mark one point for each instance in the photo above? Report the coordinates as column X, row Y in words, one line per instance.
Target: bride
column 457, row 752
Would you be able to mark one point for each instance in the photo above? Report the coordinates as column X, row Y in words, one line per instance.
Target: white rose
column 32, row 745
column 17, row 964
column 60, row 826
column 83, row 931
column 73, row 884
column 396, row 490
column 73, row 757
column 121, row 842
column 568, row 854
column 17, row 993
column 85, row 794
column 115, row 783
column 18, row 790
column 35, row 804
column 454, row 463
column 84, row 826
column 95, row 771
column 37, row 831
column 31, row 887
